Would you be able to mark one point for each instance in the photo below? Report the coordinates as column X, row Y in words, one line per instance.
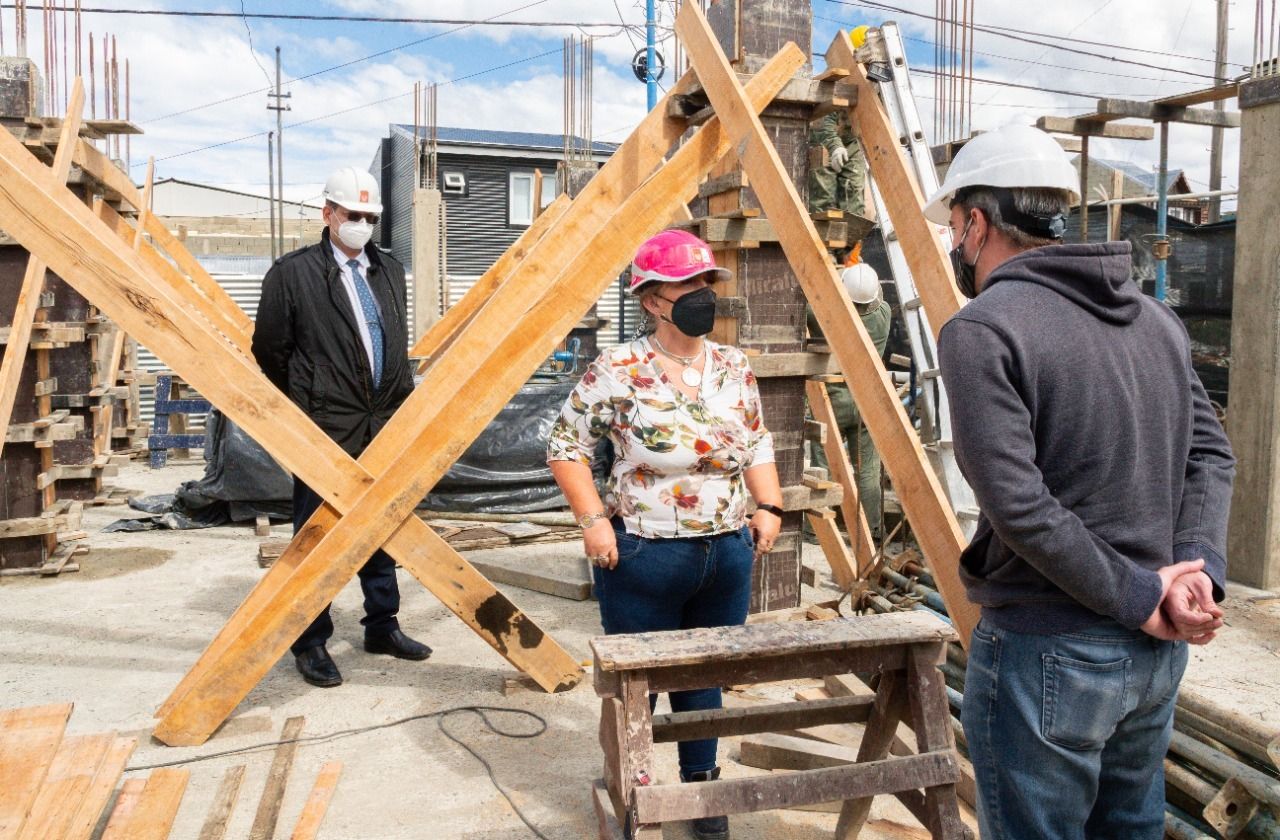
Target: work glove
column 838, row 159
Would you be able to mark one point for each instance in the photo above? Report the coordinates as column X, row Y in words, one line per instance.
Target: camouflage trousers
column 843, row 190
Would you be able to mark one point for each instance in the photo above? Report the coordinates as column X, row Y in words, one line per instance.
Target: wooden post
column 922, row 497
column 1116, row 211
column 1253, row 416
column 855, row 518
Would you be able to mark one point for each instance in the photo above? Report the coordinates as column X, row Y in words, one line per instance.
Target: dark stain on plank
column 500, row 619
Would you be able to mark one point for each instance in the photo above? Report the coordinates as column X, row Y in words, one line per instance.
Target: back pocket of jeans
column 1083, row 701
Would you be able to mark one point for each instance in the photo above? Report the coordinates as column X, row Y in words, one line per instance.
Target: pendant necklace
column 689, row 376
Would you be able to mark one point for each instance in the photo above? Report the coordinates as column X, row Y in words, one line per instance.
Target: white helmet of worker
column 861, row 282
column 355, row 189
column 1013, row 157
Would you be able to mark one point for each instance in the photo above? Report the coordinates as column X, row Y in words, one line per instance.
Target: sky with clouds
column 199, row 84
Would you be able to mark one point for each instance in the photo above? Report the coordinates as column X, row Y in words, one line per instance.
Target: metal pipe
column 1162, row 216
column 1246, row 734
column 932, row 598
column 1150, row 199
column 651, row 54
column 1084, row 188
column 279, row 152
column 1261, row 786
column 1177, row 826
column 271, row 193
column 1231, row 738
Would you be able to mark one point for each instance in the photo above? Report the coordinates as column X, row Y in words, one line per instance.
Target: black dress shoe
column 317, row 668
column 397, row 644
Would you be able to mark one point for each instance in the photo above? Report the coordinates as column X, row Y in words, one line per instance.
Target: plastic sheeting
column 503, row 471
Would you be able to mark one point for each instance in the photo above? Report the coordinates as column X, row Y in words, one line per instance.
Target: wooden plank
column 152, row 815
column 702, row 646
column 67, row 782
column 224, row 804
column 775, row 751
column 590, row 247
column 886, row 160
column 264, row 821
column 130, row 793
column 607, row 822
column 664, row 803
column 318, row 802
column 855, row 518
column 724, row 723
column 1087, row 128
column 102, row 169
column 51, row 221
column 29, row 739
column 572, row 588
column 1119, row 109
column 728, row 182
column 456, row 317
column 918, row 488
column 94, row 801
column 931, row 720
column 776, row 365
column 635, row 748
column 24, row 313
column 837, row 552
column 877, row 741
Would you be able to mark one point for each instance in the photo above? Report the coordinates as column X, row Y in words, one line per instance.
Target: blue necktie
column 371, row 318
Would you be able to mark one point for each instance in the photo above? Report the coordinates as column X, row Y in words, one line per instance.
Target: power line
column 1043, row 89
column 1009, row 32
column 359, row 107
column 320, row 18
column 320, row 72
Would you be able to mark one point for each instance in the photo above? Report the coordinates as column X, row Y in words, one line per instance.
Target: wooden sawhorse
column 903, row 648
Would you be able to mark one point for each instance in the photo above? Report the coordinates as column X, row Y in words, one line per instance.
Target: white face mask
column 355, row 235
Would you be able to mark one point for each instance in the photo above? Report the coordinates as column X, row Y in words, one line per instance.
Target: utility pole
column 279, row 107
column 271, row 192
column 651, row 57
column 1215, row 149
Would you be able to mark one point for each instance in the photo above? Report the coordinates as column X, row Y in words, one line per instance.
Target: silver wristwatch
column 588, row 519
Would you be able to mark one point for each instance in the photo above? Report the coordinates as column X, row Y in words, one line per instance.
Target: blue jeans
column 676, row 584
column 1068, row 732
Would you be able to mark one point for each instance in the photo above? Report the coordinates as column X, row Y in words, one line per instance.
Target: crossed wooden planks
column 855, row 518
column 176, row 323
column 560, row 279
column 922, row 498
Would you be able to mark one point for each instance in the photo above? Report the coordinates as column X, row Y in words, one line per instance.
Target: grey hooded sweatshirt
column 1093, row 451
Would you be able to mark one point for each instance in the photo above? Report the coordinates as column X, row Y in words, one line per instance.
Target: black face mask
column 693, row 314
column 966, row 275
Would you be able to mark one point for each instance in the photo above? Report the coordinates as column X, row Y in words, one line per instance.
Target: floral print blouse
column 679, row 462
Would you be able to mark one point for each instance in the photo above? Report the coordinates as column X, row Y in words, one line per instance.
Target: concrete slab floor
column 117, row 636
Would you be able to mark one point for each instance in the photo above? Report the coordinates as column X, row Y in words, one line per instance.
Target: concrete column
column 428, row 259
column 1253, row 412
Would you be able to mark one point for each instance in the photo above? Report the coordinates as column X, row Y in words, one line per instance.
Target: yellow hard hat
column 858, row 37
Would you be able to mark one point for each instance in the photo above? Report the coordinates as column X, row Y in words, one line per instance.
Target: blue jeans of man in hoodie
column 1061, row 729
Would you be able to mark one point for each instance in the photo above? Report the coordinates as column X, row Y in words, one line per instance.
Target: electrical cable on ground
column 440, row 717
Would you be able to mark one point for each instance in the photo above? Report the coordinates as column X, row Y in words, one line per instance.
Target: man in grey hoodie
column 1104, row 479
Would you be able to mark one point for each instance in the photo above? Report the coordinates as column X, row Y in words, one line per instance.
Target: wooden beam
column 93, row 801
column 921, row 245
column 157, row 806
column 442, row 332
column 725, row 723
column 1120, row 109
column 103, row 170
column 268, row 814
column 1086, row 128
column 505, row 343
column 836, row 550
column 224, row 804
column 50, row 221
column 855, row 518
column 318, row 802
column 918, row 489
column 24, row 312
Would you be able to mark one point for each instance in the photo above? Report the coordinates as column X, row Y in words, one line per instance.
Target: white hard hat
column 861, row 282
column 1016, row 156
column 354, row 189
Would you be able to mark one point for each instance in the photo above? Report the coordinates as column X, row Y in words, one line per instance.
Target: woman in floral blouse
column 671, row 542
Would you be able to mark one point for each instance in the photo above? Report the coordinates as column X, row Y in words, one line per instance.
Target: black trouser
column 377, row 579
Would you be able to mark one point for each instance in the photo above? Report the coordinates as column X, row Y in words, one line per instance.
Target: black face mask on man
column 693, row 314
column 966, row 274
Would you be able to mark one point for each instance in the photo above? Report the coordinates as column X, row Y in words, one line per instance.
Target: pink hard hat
column 671, row 257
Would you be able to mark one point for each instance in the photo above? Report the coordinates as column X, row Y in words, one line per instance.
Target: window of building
column 520, row 196
column 453, row 182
